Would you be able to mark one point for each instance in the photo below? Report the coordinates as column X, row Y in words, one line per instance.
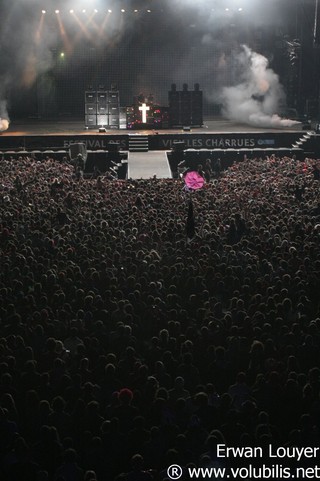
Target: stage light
column 135, row 11
column 62, row 54
column 43, row 11
column 95, row 10
column 240, row 9
column 57, row 11
column 84, row 10
column 109, row 11
column 122, row 10
column 71, row 11
column 149, row 11
column 227, row 9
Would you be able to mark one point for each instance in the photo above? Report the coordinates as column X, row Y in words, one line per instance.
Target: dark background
column 148, row 51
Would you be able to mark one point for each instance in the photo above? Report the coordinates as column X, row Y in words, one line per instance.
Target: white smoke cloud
column 4, row 117
column 4, row 124
column 24, row 55
column 258, row 96
column 272, row 121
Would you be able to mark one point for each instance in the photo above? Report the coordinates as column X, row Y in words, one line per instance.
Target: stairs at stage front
column 138, row 143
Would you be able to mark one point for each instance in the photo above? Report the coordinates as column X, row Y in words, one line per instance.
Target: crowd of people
column 127, row 346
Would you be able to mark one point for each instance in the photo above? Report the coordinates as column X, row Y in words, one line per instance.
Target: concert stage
column 217, row 138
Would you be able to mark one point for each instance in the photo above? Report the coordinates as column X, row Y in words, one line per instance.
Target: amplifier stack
column 102, row 109
column 185, row 106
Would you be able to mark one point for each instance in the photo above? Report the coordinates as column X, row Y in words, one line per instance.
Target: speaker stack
column 196, row 106
column 102, row 109
column 90, row 106
column 114, row 109
column 185, row 106
column 174, row 105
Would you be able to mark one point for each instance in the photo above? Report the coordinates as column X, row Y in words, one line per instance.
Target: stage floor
column 41, row 127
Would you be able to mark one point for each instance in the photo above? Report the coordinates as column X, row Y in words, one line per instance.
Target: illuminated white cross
column 144, row 108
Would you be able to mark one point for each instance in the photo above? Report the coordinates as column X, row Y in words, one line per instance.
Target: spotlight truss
column 95, row 11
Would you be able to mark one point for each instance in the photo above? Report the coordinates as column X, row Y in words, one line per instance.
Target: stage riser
column 270, row 140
